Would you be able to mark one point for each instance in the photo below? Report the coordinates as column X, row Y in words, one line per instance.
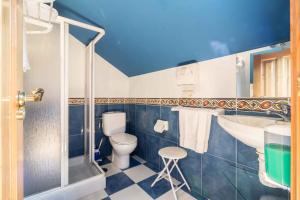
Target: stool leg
column 171, row 182
column 173, row 165
column 170, row 169
column 161, row 172
column 187, row 185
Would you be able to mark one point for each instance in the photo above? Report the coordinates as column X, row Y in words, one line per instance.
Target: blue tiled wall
column 228, row 170
column 76, row 124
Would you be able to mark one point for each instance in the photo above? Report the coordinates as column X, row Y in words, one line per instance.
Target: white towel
column 194, row 127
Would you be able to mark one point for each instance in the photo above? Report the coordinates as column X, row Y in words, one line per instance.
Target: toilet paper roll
column 161, row 126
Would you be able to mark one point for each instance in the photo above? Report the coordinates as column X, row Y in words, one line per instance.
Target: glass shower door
column 42, row 124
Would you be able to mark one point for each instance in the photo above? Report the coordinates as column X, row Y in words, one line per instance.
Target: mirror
column 269, row 74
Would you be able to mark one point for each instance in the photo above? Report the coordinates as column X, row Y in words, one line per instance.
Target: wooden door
column 295, row 137
column 11, row 132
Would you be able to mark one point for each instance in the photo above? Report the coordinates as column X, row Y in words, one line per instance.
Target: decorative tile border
column 141, row 101
column 246, row 104
column 169, row 102
column 116, row 100
column 226, row 103
column 101, row 101
column 129, row 101
column 76, row 101
column 191, row 102
column 153, row 101
column 261, row 104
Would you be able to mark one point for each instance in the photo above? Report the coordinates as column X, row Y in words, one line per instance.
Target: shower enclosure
column 48, row 171
column 83, row 166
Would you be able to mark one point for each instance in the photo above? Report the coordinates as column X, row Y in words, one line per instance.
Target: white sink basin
column 250, row 129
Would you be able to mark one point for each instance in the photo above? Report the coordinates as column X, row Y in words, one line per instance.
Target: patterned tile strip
column 116, row 100
column 228, row 103
column 247, row 104
column 153, row 101
column 262, row 104
column 141, row 101
column 101, row 101
column 169, row 102
column 191, row 102
column 76, row 101
column 129, row 101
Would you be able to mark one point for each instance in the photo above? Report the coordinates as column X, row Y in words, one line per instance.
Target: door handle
column 36, row 95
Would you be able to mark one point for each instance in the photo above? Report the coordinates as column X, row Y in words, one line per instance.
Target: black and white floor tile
column 134, row 183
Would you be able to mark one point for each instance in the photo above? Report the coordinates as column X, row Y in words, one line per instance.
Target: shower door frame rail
column 90, row 80
column 64, row 23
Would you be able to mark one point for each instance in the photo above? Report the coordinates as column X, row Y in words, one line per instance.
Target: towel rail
column 215, row 111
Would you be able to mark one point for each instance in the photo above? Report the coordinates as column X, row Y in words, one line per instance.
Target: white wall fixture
column 186, row 78
column 161, row 126
column 41, row 14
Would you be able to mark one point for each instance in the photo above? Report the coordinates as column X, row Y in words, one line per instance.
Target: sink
column 250, row 129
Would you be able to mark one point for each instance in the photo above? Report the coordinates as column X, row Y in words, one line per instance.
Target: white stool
column 169, row 154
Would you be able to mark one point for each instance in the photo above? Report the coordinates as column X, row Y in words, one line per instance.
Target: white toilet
column 114, row 125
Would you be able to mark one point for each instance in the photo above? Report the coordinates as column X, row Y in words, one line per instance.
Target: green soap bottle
column 278, row 163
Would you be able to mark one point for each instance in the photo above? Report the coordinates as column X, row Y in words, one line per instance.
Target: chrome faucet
column 285, row 114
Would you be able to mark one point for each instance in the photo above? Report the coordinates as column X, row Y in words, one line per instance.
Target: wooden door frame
column 295, row 103
column 11, row 152
column 11, row 132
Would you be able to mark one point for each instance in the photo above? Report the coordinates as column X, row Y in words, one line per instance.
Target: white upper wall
column 109, row 81
column 76, row 68
column 217, row 78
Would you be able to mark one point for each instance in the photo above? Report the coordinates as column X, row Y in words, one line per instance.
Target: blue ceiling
column 148, row 35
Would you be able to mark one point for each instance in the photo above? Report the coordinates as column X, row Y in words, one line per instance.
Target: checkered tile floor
column 134, row 183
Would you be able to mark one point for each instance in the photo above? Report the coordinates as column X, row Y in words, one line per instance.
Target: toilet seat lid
column 123, row 138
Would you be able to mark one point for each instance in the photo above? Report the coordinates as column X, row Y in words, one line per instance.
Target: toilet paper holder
column 161, row 126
